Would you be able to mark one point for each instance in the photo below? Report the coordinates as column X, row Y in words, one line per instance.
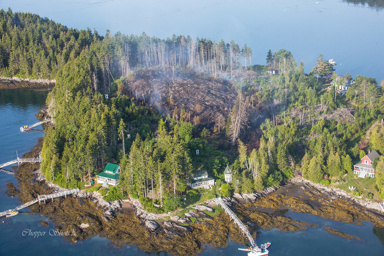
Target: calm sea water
column 350, row 34
column 18, row 107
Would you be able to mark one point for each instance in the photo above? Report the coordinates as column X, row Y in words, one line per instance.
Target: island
column 153, row 130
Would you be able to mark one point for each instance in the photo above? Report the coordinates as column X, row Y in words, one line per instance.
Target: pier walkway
column 231, row 214
column 21, row 160
column 40, row 199
column 7, row 172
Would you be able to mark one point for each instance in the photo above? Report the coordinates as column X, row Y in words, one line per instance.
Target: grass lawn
column 182, row 213
column 217, row 211
column 201, row 196
column 95, row 187
column 364, row 185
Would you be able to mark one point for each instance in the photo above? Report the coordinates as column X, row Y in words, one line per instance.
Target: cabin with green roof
column 110, row 175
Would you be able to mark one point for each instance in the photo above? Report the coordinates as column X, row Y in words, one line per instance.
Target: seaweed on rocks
column 341, row 234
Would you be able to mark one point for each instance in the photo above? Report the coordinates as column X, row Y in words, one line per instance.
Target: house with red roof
column 365, row 166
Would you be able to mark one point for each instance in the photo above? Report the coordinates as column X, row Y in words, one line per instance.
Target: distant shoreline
column 16, row 83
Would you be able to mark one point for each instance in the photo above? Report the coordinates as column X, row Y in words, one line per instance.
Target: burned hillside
column 186, row 95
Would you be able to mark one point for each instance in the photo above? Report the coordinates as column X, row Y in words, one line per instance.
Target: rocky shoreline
column 157, row 222
column 335, row 193
column 197, row 211
column 16, row 82
column 126, row 222
column 170, row 223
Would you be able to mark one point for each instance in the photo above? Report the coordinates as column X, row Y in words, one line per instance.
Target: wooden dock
column 7, row 172
column 40, row 199
column 231, row 214
column 21, row 160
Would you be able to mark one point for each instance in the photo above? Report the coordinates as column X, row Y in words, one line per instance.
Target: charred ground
column 209, row 99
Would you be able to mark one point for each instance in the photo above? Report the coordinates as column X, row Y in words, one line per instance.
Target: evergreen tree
column 121, row 134
column 347, row 163
column 258, row 183
column 269, row 58
column 315, row 172
column 361, row 154
column 305, row 166
column 377, row 138
column 242, row 154
column 334, row 167
column 282, row 160
column 247, row 184
column 380, row 176
column 226, row 190
column 322, row 68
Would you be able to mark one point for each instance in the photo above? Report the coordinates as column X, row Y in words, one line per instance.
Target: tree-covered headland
column 280, row 121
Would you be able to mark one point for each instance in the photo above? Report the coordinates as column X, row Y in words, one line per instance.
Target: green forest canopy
column 159, row 157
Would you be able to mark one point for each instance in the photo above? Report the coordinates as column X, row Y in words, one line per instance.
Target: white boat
column 258, row 251
column 332, row 62
column 11, row 214
column 266, row 245
column 25, row 128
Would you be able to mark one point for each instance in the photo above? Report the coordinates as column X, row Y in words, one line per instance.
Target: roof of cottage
column 202, row 180
column 111, row 168
column 109, row 176
column 373, row 155
column 200, row 173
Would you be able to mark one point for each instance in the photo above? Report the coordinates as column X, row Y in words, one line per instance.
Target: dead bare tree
column 192, row 53
column 123, row 55
column 239, row 116
column 220, row 122
column 365, row 90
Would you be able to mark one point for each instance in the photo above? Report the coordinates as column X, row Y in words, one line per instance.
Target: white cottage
column 201, row 180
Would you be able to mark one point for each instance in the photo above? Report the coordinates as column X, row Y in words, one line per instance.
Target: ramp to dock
column 233, row 216
column 40, row 199
column 21, row 160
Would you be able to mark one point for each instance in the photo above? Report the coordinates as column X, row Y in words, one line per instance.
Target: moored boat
column 258, row 251
column 11, row 213
column 25, row 128
column 266, row 245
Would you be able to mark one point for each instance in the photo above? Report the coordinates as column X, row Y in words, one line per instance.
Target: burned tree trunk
column 239, row 117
